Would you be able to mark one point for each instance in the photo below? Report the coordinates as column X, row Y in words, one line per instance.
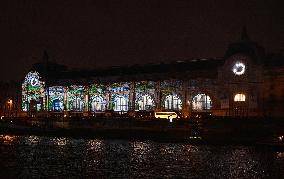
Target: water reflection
column 60, row 141
column 95, row 145
column 32, row 140
column 50, row 157
column 8, row 139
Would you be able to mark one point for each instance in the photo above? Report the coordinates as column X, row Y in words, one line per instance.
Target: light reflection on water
column 7, row 139
column 60, row 157
column 61, row 141
column 32, row 140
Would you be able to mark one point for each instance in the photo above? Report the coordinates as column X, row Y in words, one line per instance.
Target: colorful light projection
column 170, row 98
column 171, row 85
column 119, row 97
column 145, row 102
column 56, row 98
column 201, row 102
column 33, row 96
column 120, row 102
column 76, row 98
column 97, row 99
column 97, row 103
column 145, row 91
column 172, row 102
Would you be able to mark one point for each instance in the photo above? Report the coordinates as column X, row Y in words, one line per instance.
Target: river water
column 60, row 157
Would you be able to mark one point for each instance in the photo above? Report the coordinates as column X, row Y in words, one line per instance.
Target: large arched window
column 33, row 93
column 56, row 95
column 201, row 102
column 145, row 102
column 97, row 103
column 240, row 97
column 76, row 98
column 173, row 102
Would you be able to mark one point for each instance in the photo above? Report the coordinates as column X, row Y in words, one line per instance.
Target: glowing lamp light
column 240, row 97
column 10, row 101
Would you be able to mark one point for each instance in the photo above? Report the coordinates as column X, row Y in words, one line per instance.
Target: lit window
column 145, row 102
column 240, row 97
column 173, row 102
column 201, row 102
column 121, row 103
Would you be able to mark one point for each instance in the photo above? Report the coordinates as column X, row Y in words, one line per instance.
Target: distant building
column 245, row 82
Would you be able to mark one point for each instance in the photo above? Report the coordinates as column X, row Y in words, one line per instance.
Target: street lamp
column 10, row 103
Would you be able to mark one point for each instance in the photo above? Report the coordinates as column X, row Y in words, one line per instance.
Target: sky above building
column 93, row 34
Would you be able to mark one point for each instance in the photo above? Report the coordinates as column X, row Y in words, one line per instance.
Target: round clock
column 239, row 68
column 34, row 81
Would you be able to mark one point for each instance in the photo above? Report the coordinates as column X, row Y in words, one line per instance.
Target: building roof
column 55, row 74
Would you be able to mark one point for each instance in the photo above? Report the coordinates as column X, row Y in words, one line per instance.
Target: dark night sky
column 90, row 34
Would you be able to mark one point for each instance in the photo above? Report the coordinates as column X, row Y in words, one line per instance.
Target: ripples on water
column 60, row 157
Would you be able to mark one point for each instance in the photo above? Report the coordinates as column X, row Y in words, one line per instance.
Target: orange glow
column 7, row 139
column 240, row 97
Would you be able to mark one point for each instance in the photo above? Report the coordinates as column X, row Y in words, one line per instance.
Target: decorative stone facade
column 245, row 82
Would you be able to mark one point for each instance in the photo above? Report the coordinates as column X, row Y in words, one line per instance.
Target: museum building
column 245, row 82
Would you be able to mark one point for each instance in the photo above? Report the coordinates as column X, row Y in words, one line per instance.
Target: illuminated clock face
column 34, row 81
column 239, row 68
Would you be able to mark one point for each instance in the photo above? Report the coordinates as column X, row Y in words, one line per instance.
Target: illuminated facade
column 245, row 82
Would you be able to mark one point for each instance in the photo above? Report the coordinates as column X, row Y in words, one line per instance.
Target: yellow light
column 7, row 139
column 10, row 101
column 240, row 97
column 166, row 115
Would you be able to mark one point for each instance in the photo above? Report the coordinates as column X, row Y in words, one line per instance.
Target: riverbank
column 205, row 131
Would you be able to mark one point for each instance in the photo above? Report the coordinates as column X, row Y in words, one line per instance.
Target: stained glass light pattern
column 171, row 85
column 145, row 92
column 56, row 99
column 97, row 100
column 76, row 98
column 119, row 88
column 201, row 102
column 120, row 103
column 97, row 103
column 33, row 95
column 145, row 102
column 172, row 102
column 119, row 96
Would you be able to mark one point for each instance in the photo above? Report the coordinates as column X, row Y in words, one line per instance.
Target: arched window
column 120, row 103
column 76, row 98
column 56, row 95
column 201, row 102
column 173, row 102
column 145, row 102
column 97, row 103
column 240, row 97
